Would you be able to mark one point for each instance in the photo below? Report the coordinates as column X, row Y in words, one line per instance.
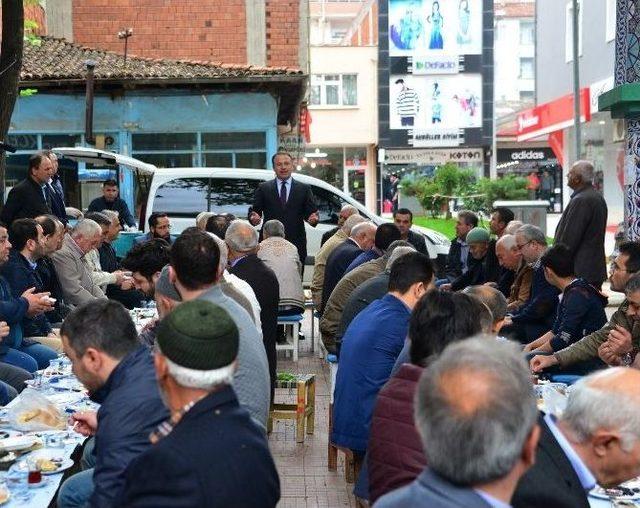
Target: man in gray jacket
column 195, row 273
column 71, row 266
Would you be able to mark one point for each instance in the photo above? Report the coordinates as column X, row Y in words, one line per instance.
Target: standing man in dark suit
column 55, row 189
column 597, row 440
column 242, row 242
column 287, row 200
column 31, row 196
column 583, row 224
column 479, row 444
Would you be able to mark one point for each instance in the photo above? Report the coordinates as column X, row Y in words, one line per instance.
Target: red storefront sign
column 552, row 116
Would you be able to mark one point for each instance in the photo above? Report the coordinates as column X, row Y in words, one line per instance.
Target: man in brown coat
column 583, row 224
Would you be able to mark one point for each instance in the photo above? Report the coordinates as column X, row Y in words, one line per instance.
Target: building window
column 208, row 149
column 568, row 43
column 526, row 68
column 526, row 96
column 527, row 33
column 334, row 90
column 610, row 24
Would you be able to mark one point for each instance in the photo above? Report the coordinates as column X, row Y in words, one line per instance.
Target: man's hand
column 540, row 362
column 4, row 329
column 313, row 219
column 85, row 422
column 507, row 321
column 254, row 218
column 608, row 356
column 620, row 341
column 38, row 302
column 127, row 283
column 119, row 277
column 445, row 287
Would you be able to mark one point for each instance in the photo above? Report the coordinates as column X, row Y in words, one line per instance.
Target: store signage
column 435, row 64
column 440, row 137
column 527, row 155
column 551, row 116
column 436, row 156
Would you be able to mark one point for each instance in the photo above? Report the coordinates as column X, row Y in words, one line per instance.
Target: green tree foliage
column 449, row 182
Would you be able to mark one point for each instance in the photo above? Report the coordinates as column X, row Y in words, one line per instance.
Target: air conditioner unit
column 619, row 130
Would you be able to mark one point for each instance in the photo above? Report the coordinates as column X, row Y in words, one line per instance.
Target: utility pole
column 576, row 77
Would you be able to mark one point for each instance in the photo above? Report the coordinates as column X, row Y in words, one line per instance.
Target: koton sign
column 552, row 116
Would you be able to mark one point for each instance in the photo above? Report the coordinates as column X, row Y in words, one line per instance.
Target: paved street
column 304, row 477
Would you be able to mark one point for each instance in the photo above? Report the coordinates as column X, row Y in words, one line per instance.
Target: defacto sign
column 433, row 157
column 434, row 64
column 552, row 116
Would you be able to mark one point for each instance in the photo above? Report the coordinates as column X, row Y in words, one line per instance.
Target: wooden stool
column 303, row 411
column 291, row 328
column 351, row 462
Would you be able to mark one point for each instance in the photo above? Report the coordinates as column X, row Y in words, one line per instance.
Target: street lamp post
column 576, row 77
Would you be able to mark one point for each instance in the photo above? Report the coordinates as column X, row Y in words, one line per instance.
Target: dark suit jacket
column 214, row 457
column 582, row 228
column 265, row 285
column 552, row 480
column 337, row 264
column 57, row 199
column 18, row 273
column 418, row 241
column 300, row 205
column 25, row 200
column 432, row 491
column 453, row 266
column 480, row 271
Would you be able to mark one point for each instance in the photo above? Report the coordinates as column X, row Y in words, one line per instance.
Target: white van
column 182, row 193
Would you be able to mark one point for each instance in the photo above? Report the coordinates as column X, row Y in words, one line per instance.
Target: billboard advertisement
column 435, row 27
column 435, row 101
column 435, row 66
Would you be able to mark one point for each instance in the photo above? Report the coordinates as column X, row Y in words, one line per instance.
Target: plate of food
column 17, row 443
column 52, row 460
column 627, row 491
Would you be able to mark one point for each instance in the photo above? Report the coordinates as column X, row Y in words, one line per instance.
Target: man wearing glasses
column 536, row 316
column 616, row 342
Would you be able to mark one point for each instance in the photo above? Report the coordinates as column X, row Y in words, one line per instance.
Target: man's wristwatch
column 626, row 359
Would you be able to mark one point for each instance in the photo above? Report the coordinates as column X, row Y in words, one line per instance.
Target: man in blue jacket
column 210, row 454
column 101, row 341
column 536, row 316
column 370, row 346
column 25, row 354
column 581, row 309
column 20, row 271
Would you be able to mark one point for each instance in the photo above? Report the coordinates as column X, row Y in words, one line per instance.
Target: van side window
column 329, row 205
column 182, row 197
column 233, row 195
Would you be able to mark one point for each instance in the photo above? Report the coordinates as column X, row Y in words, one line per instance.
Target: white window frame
column 568, row 22
column 532, row 24
column 610, row 21
column 321, row 81
column 533, row 68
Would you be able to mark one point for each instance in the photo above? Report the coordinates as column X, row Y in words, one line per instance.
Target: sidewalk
column 305, row 480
